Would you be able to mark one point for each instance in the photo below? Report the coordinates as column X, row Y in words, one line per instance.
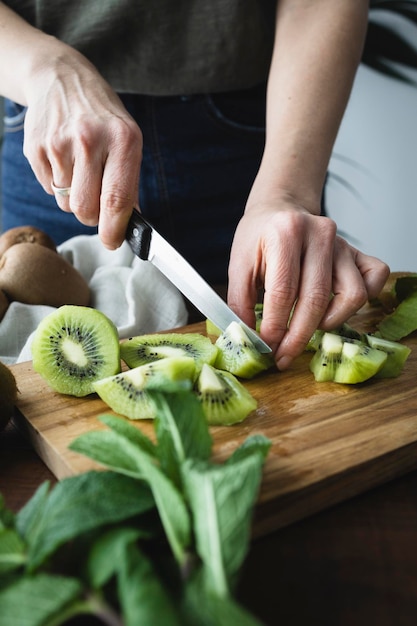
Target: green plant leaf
column 182, row 431
column 12, row 551
column 31, row 601
column 255, row 444
column 169, row 501
column 143, row 597
column 221, row 498
column 121, row 426
column 107, row 553
column 30, row 516
column 82, row 503
column 401, row 322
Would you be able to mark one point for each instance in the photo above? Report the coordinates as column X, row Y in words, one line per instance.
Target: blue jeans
column 201, row 155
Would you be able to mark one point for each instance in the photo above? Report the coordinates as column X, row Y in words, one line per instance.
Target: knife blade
column 149, row 245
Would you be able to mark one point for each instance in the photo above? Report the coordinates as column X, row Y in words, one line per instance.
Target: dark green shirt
column 164, row 47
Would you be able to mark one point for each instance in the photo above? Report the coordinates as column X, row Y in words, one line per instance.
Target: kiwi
column 74, row 346
column 397, row 354
column 4, row 304
column 224, row 399
column 33, row 274
column 238, row 355
column 215, row 331
column 127, row 395
column 148, row 348
column 25, row 234
column 347, row 361
column 8, row 394
column 327, row 357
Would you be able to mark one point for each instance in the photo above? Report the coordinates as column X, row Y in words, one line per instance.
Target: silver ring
column 61, row 191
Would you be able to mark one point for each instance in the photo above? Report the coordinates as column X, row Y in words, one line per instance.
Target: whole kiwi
column 34, row 274
column 8, row 394
column 4, row 304
column 25, row 234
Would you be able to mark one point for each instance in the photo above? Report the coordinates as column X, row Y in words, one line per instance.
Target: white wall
column 379, row 135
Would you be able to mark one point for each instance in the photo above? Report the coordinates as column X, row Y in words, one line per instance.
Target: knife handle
column 138, row 235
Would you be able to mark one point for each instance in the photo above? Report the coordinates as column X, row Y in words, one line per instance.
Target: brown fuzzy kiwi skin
column 33, row 274
column 8, row 394
column 4, row 304
column 25, row 234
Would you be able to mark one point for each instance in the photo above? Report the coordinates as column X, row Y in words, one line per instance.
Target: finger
column 314, row 292
column 374, row 273
column 120, row 186
column 86, row 187
column 242, row 286
column 349, row 290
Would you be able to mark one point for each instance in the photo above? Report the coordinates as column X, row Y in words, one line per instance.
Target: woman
column 164, row 106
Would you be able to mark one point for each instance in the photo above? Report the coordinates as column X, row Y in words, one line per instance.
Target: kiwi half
column 148, row 348
column 74, row 346
column 126, row 393
column 224, row 399
column 238, row 355
column 343, row 360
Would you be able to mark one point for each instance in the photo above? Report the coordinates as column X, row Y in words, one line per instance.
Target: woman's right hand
column 79, row 135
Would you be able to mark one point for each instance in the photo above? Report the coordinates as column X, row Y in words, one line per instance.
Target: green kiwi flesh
column 224, row 399
column 74, row 346
column 238, row 355
column 148, row 348
column 127, row 393
column 327, row 357
column 397, row 354
column 215, row 331
column 344, row 360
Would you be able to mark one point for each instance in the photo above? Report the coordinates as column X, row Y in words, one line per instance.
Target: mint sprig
column 157, row 536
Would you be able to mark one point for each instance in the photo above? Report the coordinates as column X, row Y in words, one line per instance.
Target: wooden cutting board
column 329, row 441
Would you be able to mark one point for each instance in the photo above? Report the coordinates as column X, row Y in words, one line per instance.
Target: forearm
column 317, row 51
column 38, row 58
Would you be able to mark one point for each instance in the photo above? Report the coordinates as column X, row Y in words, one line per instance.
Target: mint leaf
column 169, row 501
column 30, row 516
column 133, row 434
column 107, row 553
column 32, row 601
column 182, row 431
column 204, row 608
column 12, row 551
column 143, row 597
column 82, row 503
column 221, row 499
column 252, row 445
column 402, row 321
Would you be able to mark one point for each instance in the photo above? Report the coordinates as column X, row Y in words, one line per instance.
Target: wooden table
column 354, row 564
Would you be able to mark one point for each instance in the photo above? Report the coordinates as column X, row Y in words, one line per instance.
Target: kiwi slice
column 74, row 346
column 397, row 354
column 327, row 357
column 238, row 355
column 148, row 348
column 347, row 361
column 358, row 363
column 224, row 399
column 126, row 393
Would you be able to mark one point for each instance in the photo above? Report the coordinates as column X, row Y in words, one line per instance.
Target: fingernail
column 283, row 363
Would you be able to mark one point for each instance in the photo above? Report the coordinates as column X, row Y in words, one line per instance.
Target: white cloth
column 131, row 292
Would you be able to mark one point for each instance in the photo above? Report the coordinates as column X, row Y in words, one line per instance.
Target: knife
column 149, row 245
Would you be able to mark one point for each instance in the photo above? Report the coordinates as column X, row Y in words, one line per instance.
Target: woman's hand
column 79, row 135
column 298, row 259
